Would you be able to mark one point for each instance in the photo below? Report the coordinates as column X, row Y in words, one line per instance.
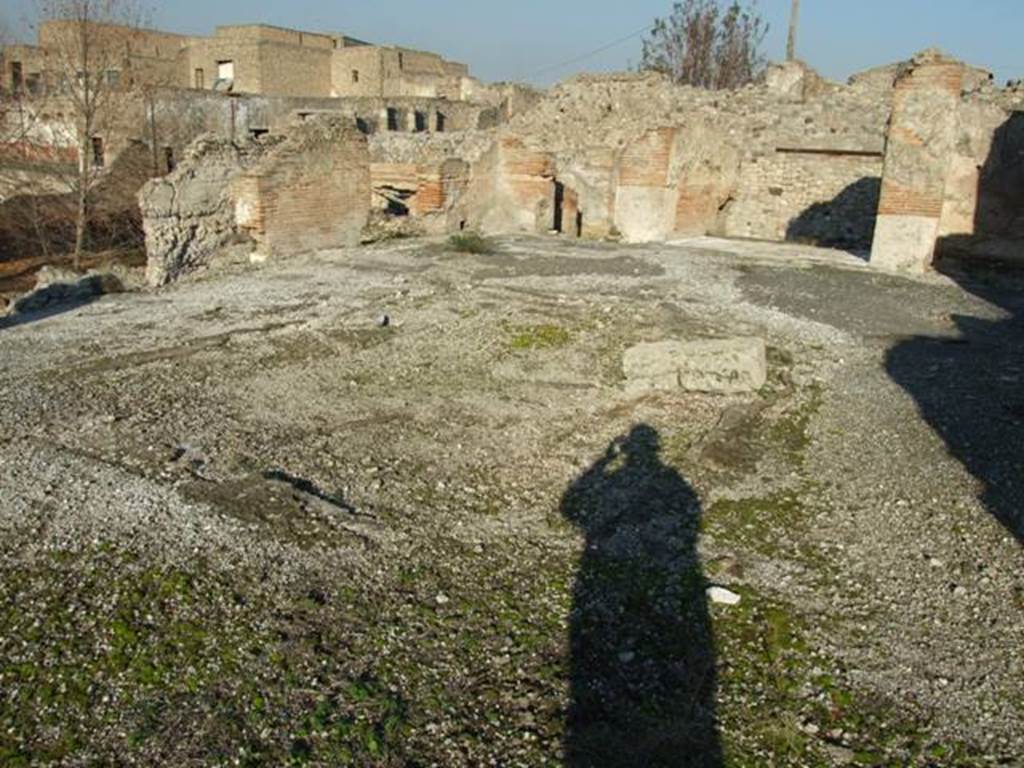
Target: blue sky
column 517, row 40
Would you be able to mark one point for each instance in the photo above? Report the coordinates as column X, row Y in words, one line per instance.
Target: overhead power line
column 592, row 53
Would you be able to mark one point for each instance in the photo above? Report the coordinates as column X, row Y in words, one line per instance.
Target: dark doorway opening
column 568, row 218
column 440, row 122
column 397, row 200
column 17, row 78
column 397, row 207
column 169, row 158
column 392, row 119
column 98, row 154
column 559, row 206
column 420, row 122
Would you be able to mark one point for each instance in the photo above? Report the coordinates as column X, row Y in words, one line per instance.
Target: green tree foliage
column 707, row 43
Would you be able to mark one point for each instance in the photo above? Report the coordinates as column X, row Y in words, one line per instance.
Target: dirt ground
column 244, row 521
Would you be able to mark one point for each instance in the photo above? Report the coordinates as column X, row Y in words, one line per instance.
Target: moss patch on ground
column 544, row 336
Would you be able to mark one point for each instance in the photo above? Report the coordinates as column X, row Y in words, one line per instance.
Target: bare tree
column 86, row 45
column 707, row 43
column 794, row 21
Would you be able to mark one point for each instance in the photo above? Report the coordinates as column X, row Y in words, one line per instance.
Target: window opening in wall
column 420, row 122
column 364, row 126
column 225, row 76
column 113, row 78
column 200, row 79
column 392, row 119
column 98, row 155
column 355, row 75
column 257, row 132
column 440, row 122
column 396, row 199
column 17, row 82
column 579, row 223
column 34, row 83
column 401, row 61
column 169, row 158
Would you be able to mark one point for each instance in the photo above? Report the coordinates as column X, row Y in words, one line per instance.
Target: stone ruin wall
column 634, row 157
column 953, row 181
column 796, row 158
column 303, row 191
column 307, row 193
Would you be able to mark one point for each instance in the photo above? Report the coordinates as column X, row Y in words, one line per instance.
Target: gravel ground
column 244, row 521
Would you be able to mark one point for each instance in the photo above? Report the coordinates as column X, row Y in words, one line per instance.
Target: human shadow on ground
column 643, row 678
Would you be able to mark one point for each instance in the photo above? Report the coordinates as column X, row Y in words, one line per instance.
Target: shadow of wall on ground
column 970, row 388
column 57, row 298
column 643, row 679
column 847, row 221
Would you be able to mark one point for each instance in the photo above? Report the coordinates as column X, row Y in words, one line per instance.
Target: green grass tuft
column 539, row 337
column 471, row 242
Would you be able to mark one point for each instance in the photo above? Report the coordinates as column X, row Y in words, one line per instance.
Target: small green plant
column 539, row 337
column 471, row 242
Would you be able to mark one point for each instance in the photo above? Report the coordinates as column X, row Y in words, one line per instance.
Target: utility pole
column 794, row 20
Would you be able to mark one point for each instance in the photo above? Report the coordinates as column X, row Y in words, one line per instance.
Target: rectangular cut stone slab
column 726, row 366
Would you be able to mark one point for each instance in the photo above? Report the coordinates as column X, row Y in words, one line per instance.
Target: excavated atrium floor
column 245, row 521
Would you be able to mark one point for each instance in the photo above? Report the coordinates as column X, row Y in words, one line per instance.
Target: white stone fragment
column 722, row 596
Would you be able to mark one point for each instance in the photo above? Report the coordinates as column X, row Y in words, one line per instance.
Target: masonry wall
column 357, row 71
column 265, row 67
column 395, row 72
column 815, row 196
column 522, row 197
column 922, row 135
column 310, row 192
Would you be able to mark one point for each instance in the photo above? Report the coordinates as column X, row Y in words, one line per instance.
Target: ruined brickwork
column 303, row 190
column 928, row 152
column 634, row 156
column 189, row 215
column 954, row 168
column 921, row 139
column 307, row 193
column 906, row 161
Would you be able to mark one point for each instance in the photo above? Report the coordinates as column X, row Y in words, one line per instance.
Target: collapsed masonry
column 284, row 194
column 927, row 152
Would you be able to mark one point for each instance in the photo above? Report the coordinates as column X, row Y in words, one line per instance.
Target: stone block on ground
column 726, row 366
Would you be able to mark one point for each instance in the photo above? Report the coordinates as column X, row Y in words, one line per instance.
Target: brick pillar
column 922, row 134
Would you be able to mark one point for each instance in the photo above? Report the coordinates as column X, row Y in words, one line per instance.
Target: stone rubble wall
column 189, row 215
column 641, row 158
column 634, row 157
column 306, row 190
